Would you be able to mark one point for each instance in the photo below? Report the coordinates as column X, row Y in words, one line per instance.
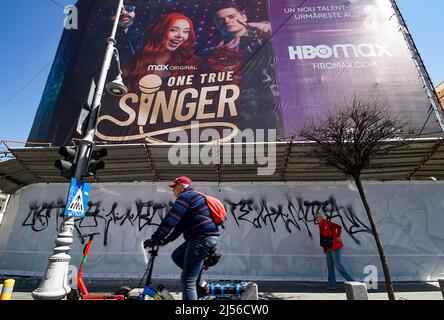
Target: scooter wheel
column 74, row 294
column 124, row 291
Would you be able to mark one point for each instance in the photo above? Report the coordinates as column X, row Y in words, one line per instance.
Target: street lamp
column 54, row 285
column 117, row 87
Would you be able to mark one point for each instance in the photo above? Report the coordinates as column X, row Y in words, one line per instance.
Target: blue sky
column 30, row 31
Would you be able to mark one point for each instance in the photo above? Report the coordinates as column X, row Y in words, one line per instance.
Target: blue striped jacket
column 189, row 215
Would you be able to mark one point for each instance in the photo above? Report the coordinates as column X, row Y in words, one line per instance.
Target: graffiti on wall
column 294, row 214
column 297, row 214
column 270, row 231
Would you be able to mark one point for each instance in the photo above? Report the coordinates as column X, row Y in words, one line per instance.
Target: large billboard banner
column 330, row 50
column 232, row 66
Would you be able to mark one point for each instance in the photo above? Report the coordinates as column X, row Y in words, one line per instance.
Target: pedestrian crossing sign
column 78, row 196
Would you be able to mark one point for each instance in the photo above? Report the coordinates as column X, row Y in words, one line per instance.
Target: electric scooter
column 81, row 293
column 206, row 291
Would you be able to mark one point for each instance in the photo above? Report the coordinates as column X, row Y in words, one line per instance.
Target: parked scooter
column 82, row 293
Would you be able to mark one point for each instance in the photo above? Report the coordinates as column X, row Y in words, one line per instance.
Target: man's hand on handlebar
column 149, row 243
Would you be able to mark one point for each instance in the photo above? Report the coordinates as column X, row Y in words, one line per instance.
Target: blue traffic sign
column 77, row 202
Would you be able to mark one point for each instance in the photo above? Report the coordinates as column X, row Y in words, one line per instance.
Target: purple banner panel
column 329, row 50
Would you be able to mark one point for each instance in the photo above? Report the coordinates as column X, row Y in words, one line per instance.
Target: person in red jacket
column 330, row 235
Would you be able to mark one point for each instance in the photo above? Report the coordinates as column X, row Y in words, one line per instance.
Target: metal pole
column 54, row 285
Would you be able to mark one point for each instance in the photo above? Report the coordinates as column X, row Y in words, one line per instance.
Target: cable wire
column 26, row 84
column 58, row 4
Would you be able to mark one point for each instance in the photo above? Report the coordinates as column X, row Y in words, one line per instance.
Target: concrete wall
column 270, row 232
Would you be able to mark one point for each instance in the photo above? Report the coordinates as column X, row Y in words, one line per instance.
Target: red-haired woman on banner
column 170, row 43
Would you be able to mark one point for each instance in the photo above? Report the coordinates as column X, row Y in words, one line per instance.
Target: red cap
column 180, row 180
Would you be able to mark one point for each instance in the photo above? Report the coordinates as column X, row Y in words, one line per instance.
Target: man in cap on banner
column 191, row 216
column 253, row 61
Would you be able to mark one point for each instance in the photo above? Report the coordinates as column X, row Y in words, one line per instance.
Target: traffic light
column 67, row 165
column 95, row 162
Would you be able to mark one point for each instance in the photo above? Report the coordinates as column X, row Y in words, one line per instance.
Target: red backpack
column 217, row 209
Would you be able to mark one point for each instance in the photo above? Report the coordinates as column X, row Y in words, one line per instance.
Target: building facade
column 440, row 91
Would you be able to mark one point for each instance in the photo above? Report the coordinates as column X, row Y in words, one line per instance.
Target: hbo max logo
column 338, row 51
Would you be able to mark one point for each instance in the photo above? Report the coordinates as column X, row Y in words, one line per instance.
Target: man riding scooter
column 191, row 216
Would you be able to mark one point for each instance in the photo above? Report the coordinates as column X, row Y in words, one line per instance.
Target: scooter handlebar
column 90, row 235
column 153, row 250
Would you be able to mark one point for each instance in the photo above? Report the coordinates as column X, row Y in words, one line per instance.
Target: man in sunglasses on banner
column 127, row 16
column 129, row 40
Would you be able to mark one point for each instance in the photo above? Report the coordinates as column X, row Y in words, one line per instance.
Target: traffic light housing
column 67, row 164
column 96, row 163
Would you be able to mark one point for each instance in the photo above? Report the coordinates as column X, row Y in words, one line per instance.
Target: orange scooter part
column 84, row 294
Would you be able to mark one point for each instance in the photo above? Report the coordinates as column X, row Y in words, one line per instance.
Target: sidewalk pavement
column 267, row 290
